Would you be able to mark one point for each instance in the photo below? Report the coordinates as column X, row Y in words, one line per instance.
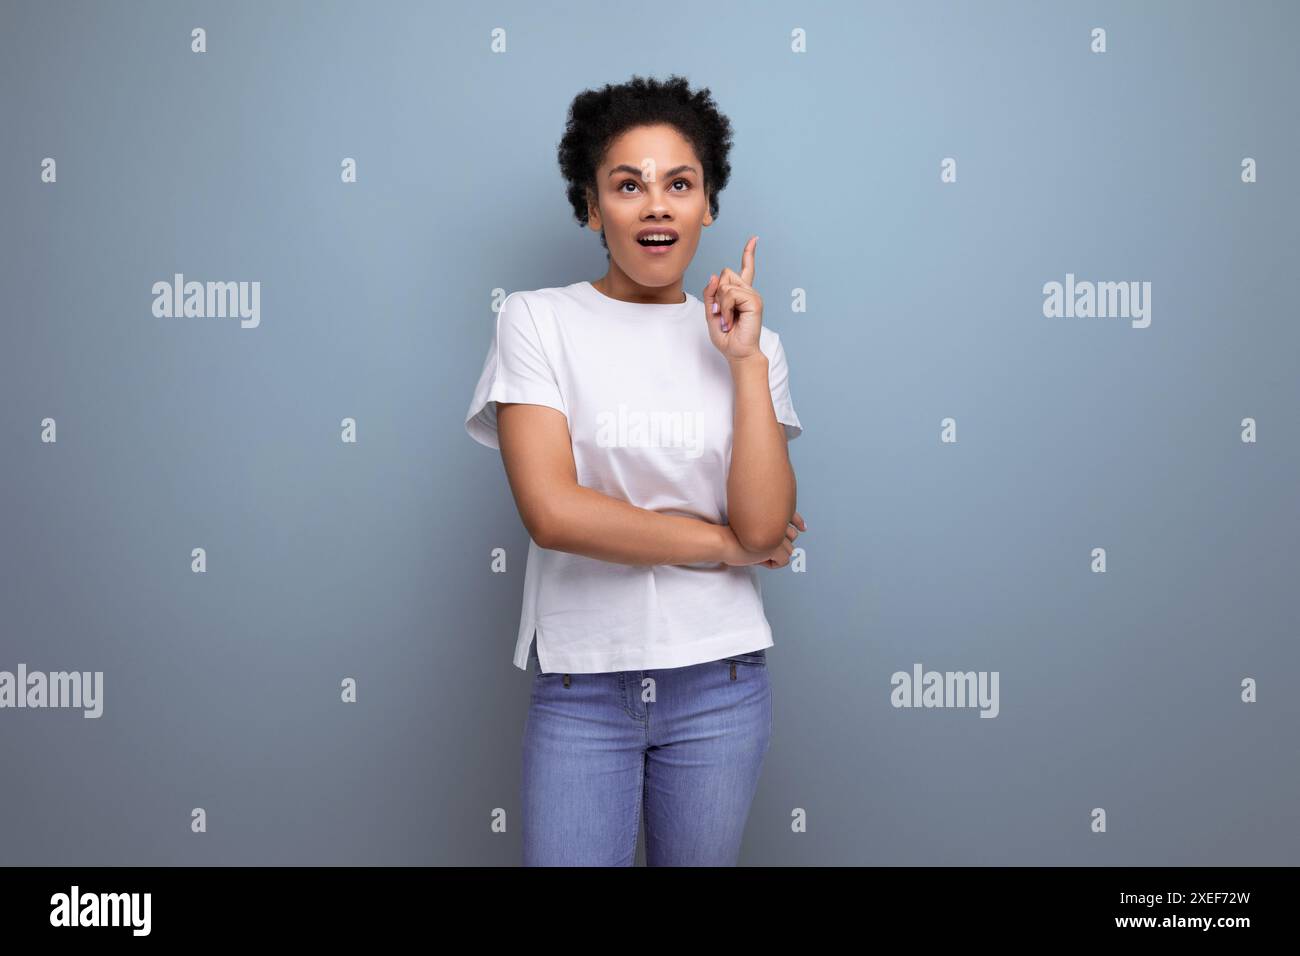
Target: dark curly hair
column 598, row 117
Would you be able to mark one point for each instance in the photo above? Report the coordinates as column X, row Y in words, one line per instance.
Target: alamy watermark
column 181, row 299
column 102, row 909
column 923, row 688
column 1103, row 300
column 638, row 428
column 55, row 689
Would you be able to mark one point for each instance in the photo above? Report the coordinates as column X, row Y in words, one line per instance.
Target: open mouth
column 651, row 241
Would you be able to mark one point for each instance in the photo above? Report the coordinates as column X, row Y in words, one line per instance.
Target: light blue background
column 325, row 560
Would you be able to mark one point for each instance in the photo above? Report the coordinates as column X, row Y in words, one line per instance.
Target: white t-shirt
column 649, row 401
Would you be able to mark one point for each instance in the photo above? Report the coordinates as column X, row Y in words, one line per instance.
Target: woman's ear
column 593, row 212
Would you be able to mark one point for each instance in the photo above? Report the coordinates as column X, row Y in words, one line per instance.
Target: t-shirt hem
column 481, row 422
column 645, row 658
column 786, row 416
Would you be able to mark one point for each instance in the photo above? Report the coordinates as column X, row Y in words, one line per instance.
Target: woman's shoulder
column 550, row 294
column 545, row 303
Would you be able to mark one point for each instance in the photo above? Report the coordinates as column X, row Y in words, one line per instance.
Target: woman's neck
column 617, row 285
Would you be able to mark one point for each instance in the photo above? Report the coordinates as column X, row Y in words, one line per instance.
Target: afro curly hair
column 598, row 117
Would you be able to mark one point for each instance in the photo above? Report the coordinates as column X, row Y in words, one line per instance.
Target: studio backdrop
column 1033, row 266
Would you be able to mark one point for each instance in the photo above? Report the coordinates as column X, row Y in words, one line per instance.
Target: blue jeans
column 598, row 755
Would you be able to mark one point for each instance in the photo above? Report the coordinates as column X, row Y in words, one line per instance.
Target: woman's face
column 650, row 181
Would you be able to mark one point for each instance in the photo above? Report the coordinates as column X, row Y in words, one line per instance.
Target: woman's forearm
column 587, row 522
column 760, row 481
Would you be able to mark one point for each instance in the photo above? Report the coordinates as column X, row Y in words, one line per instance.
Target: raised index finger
column 747, row 262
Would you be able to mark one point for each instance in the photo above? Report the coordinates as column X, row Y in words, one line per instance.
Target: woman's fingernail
column 715, row 308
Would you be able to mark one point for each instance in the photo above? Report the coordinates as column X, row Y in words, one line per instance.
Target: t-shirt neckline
column 607, row 304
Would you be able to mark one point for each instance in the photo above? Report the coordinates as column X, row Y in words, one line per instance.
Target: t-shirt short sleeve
column 778, row 379
column 516, row 370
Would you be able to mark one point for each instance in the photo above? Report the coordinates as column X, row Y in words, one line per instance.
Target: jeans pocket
column 536, row 664
column 753, row 663
column 752, row 657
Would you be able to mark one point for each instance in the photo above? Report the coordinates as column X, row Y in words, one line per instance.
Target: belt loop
column 566, row 680
column 733, row 670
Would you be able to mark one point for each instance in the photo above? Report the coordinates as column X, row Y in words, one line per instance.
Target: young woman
column 643, row 432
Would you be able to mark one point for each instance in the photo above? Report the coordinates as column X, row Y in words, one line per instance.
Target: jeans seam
column 627, row 704
column 641, row 787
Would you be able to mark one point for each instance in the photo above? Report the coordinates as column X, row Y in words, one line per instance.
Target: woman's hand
column 733, row 310
column 779, row 558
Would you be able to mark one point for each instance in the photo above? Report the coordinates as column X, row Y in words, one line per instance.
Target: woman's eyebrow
column 625, row 168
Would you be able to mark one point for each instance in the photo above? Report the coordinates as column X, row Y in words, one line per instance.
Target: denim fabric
column 599, row 757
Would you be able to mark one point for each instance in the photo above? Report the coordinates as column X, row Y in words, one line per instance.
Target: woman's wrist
column 754, row 364
column 727, row 543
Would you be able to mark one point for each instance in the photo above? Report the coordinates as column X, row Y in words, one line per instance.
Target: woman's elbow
column 760, row 538
column 544, row 525
column 539, row 529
